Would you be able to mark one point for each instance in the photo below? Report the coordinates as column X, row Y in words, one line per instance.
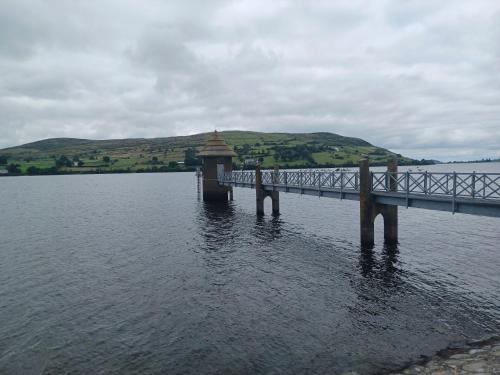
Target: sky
column 421, row 78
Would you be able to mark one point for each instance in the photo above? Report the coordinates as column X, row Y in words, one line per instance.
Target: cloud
column 418, row 77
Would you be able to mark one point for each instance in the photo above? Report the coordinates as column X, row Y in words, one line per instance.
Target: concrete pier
column 261, row 194
column 377, row 192
column 369, row 209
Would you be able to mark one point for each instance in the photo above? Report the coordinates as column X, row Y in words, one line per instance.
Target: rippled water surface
column 132, row 274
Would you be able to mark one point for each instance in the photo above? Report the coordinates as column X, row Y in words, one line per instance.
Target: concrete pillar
column 366, row 206
column 259, row 192
column 275, row 195
column 390, row 212
column 392, row 170
column 391, row 224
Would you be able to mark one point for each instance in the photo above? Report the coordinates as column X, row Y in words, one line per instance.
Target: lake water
column 132, row 274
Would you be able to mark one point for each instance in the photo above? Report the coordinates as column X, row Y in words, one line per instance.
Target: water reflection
column 216, row 222
column 268, row 229
column 383, row 268
column 389, row 261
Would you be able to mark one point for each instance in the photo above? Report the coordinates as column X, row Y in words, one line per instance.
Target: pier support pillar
column 259, row 192
column 369, row 209
column 390, row 212
column 366, row 205
column 231, row 196
column 275, row 195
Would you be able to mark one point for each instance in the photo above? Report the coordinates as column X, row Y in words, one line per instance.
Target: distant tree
column 173, row 164
column 378, row 151
column 76, row 158
column 154, row 160
column 3, row 159
column 63, row 161
column 50, row 170
column 106, row 159
column 297, row 152
column 13, row 168
column 245, row 150
column 33, row 170
column 190, row 157
column 80, row 163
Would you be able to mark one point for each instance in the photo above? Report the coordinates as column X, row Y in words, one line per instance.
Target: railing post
column 341, row 183
column 425, row 183
column 319, row 184
column 454, row 192
column 484, row 186
column 473, row 184
column 407, row 183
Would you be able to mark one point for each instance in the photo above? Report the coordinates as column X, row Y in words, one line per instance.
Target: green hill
column 289, row 150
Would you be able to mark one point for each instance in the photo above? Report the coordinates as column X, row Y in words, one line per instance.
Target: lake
column 133, row 274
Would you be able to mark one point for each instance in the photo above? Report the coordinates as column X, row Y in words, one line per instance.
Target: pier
column 379, row 193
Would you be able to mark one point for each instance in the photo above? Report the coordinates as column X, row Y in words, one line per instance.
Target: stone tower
column 216, row 158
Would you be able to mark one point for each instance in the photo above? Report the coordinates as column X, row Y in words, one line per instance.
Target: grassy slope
column 134, row 154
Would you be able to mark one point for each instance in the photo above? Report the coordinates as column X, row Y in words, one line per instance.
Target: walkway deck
column 468, row 193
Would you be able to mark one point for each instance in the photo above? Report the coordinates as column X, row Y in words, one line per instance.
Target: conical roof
column 216, row 146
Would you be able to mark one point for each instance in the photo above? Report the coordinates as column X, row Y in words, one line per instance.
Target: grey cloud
column 418, row 77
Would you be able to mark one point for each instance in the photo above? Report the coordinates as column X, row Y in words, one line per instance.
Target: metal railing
column 241, row 177
column 456, row 185
column 302, row 179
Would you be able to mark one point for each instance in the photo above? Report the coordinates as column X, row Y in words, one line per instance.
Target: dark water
column 131, row 274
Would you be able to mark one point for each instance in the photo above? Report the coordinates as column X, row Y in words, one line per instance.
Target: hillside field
column 289, row 150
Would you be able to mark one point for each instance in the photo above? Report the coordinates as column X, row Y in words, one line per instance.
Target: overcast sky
column 418, row 77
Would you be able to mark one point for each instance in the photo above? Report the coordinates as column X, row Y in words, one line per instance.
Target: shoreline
column 49, row 172
column 475, row 357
